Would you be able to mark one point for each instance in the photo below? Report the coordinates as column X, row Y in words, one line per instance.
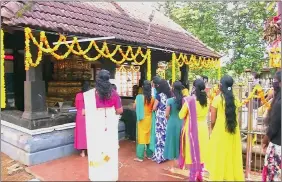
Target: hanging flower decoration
column 173, row 65
column 275, row 55
column 131, row 68
column 257, row 92
column 44, row 46
column 162, row 67
column 272, row 30
column 196, row 63
column 149, row 72
column 3, row 90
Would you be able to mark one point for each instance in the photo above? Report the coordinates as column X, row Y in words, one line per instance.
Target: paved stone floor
column 74, row 168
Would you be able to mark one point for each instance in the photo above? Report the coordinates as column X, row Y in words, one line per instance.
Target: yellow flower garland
column 149, row 73
column 260, row 95
column 194, row 63
column 173, row 72
column 103, row 52
column 275, row 57
column 3, row 90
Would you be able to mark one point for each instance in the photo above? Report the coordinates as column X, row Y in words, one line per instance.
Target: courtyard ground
column 75, row 168
column 12, row 170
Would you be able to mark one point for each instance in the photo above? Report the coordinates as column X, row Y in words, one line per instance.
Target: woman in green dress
column 174, row 124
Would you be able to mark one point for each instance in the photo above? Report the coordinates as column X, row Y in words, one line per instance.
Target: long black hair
column 226, row 84
column 147, row 91
column 200, row 92
column 277, row 95
column 156, row 80
column 85, row 86
column 103, row 85
column 177, row 92
column 164, row 88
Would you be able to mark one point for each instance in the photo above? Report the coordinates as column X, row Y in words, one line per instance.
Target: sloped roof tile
column 126, row 21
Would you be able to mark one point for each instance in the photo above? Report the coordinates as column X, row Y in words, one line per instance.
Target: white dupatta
column 102, row 140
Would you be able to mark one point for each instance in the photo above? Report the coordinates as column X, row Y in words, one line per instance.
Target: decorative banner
column 3, row 90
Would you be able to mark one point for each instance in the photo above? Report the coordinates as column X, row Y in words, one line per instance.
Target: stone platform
column 31, row 147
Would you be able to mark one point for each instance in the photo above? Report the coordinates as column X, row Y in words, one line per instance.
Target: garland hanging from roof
column 3, row 90
column 127, row 55
column 194, row 63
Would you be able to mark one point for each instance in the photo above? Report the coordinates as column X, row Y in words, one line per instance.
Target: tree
column 236, row 26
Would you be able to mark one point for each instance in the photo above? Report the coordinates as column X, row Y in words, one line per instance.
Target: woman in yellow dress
column 144, row 107
column 195, row 125
column 225, row 148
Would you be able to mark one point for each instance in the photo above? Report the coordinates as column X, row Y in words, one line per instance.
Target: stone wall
column 32, row 147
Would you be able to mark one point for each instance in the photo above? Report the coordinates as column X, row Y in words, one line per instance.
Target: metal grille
column 252, row 130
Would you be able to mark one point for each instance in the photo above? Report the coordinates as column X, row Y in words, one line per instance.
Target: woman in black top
column 272, row 139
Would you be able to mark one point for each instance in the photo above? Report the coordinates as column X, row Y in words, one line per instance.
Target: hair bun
column 104, row 75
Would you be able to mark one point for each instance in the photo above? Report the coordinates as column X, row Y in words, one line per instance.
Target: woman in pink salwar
column 80, row 127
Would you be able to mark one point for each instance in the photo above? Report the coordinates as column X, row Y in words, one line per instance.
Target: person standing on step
column 174, row 124
column 80, row 127
column 144, row 107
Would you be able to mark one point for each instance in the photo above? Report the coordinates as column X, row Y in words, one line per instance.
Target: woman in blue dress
column 163, row 94
column 174, row 124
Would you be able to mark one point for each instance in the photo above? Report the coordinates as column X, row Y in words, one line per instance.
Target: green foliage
column 168, row 73
column 223, row 26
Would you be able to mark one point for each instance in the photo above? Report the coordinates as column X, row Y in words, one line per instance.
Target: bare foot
column 172, row 170
column 82, row 154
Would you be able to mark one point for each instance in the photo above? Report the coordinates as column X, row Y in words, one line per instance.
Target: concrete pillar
column 184, row 74
column 34, row 91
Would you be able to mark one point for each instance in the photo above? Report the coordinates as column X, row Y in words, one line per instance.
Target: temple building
column 38, row 120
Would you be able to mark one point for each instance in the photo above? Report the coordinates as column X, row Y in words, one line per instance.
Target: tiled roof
column 126, row 21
